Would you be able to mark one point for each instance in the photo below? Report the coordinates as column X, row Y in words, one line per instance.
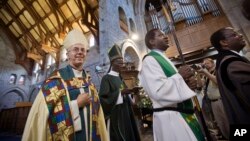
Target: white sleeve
column 163, row 90
column 76, row 115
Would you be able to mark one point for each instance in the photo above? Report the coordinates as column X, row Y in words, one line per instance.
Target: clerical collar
column 235, row 52
column 114, row 73
column 77, row 72
column 157, row 50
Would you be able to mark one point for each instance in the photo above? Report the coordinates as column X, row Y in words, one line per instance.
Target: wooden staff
column 170, row 20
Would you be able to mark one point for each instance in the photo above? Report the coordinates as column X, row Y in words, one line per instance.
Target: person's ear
column 223, row 43
column 152, row 42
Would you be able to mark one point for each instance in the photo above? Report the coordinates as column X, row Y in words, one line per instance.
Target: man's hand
column 186, row 72
column 83, row 99
column 126, row 91
column 192, row 82
column 136, row 90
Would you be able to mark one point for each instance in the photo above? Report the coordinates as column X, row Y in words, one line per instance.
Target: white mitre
column 74, row 37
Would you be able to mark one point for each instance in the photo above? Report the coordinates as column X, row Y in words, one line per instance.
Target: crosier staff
column 170, row 19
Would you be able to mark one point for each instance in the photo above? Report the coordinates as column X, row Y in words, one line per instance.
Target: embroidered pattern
column 95, row 114
column 77, row 83
column 59, row 120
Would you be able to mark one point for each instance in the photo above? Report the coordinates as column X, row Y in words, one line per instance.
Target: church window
column 50, row 60
column 12, row 79
column 63, row 56
column 132, row 25
column 91, row 41
column 21, row 80
column 123, row 20
column 36, row 67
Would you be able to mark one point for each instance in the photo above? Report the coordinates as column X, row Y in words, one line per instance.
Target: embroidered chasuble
column 187, row 104
column 52, row 116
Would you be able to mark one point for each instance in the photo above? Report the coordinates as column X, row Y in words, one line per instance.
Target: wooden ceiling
column 37, row 27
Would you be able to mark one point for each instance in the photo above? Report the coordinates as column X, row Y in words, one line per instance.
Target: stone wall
column 11, row 93
column 233, row 11
column 110, row 31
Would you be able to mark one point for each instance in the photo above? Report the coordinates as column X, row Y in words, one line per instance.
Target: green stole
column 189, row 118
column 68, row 75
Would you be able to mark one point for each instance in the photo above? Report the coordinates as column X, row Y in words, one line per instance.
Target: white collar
column 157, row 50
column 77, row 72
column 114, row 73
column 235, row 52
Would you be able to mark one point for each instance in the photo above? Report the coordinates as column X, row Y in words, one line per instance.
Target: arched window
column 91, row 41
column 123, row 20
column 37, row 70
column 12, row 79
column 21, row 80
column 132, row 25
column 36, row 67
column 133, row 35
column 63, row 56
column 50, row 60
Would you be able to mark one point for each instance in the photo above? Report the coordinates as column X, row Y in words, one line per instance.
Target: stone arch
column 130, row 53
column 12, row 95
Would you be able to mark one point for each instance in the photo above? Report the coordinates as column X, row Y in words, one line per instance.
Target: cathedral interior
column 32, row 33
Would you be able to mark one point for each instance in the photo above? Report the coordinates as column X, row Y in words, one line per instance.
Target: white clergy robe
column 166, row 92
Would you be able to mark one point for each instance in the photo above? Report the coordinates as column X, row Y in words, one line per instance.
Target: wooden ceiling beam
column 39, row 22
column 49, row 49
column 37, row 45
column 19, row 50
column 21, row 25
column 54, row 10
column 25, row 31
column 90, row 11
column 15, row 17
column 57, row 12
column 85, row 16
column 66, row 22
column 35, row 15
column 11, row 36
